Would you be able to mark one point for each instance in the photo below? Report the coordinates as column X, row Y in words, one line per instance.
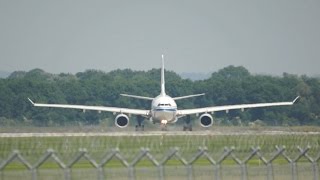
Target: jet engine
column 122, row 120
column 206, row 120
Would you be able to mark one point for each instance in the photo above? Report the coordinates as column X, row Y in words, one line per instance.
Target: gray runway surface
column 156, row 133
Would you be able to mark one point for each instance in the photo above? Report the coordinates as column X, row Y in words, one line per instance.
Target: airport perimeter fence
column 172, row 166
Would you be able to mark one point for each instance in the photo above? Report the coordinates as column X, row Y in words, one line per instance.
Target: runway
column 156, row 133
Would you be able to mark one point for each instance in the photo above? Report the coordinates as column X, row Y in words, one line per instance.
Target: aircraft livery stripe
column 165, row 109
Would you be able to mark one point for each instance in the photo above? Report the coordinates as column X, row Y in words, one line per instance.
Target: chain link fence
column 172, row 166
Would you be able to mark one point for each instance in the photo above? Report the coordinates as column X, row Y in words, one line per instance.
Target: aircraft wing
column 95, row 108
column 230, row 107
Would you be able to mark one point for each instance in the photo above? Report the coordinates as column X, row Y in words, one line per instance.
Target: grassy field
column 66, row 148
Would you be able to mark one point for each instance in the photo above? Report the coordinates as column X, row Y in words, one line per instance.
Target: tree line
column 230, row 85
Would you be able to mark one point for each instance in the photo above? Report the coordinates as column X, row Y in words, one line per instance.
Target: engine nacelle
column 122, row 120
column 206, row 120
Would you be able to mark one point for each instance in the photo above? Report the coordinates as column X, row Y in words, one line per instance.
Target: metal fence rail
column 216, row 166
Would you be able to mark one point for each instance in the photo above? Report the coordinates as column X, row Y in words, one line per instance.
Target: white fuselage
column 163, row 109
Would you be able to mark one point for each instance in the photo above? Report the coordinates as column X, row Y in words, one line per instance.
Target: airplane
column 163, row 109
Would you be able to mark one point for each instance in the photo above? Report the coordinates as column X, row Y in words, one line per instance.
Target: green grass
column 32, row 148
column 67, row 148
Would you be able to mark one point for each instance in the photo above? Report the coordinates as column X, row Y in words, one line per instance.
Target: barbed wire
column 172, row 153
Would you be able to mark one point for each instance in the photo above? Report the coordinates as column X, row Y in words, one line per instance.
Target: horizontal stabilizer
column 189, row 96
column 137, row 97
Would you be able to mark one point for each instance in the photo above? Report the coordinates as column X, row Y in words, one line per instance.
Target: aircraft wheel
column 139, row 128
column 187, row 127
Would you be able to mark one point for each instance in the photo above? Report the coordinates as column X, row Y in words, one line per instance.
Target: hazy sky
column 265, row 36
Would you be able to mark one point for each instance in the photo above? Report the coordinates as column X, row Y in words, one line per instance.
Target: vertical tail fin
column 163, row 92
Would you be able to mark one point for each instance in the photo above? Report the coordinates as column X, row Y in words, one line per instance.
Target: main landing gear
column 140, row 125
column 187, row 124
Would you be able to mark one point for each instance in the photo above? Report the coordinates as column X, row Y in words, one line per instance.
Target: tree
column 230, row 85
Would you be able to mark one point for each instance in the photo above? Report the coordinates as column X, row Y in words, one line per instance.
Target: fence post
column 314, row 163
column 67, row 173
column 108, row 157
column 210, row 159
column 182, row 160
column 131, row 173
column 315, row 170
column 190, row 163
column 100, row 173
column 269, row 171
column 75, row 160
column 217, row 171
column 165, row 159
column 39, row 163
column 294, row 172
column 302, row 153
column 270, row 174
column 244, row 171
column 134, row 162
column 190, row 171
column 161, row 172
column 34, row 174
column 226, row 153
column 239, row 162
